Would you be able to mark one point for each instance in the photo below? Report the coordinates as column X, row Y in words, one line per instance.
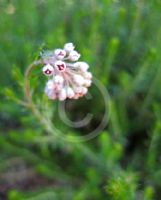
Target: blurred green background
column 121, row 41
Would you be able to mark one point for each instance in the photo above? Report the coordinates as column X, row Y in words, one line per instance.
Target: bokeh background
column 121, row 41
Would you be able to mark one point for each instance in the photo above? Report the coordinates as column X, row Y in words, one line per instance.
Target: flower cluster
column 68, row 78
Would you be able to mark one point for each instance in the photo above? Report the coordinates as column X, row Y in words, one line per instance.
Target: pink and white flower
column 67, row 78
column 60, row 66
column 74, row 56
column 60, row 53
column 68, row 47
column 48, row 70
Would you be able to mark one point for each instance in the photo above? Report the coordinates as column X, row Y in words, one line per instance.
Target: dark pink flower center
column 48, row 71
column 61, row 67
column 61, row 53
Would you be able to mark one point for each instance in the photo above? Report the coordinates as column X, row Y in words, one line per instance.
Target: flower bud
column 78, row 79
column 78, row 90
column 84, row 90
column 70, row 92
column 50, row 92
column 74, row 56
column 50, row 84
column 60, row 53
column 62, row 95
column 88, row 75
column 87, row 83
column 58, row 87
column 83, row 66
column 58, row 79
column 68, row 47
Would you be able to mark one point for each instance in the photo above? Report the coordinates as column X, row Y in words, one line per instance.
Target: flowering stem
column 46, row 121
column 27, row 89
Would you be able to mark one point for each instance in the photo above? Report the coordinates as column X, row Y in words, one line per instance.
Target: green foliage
column 121, row 41
column 123, row 186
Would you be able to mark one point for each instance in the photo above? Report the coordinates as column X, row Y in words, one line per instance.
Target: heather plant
column 48, row 143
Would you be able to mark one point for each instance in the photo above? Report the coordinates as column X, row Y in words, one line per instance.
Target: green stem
column 27, row 90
